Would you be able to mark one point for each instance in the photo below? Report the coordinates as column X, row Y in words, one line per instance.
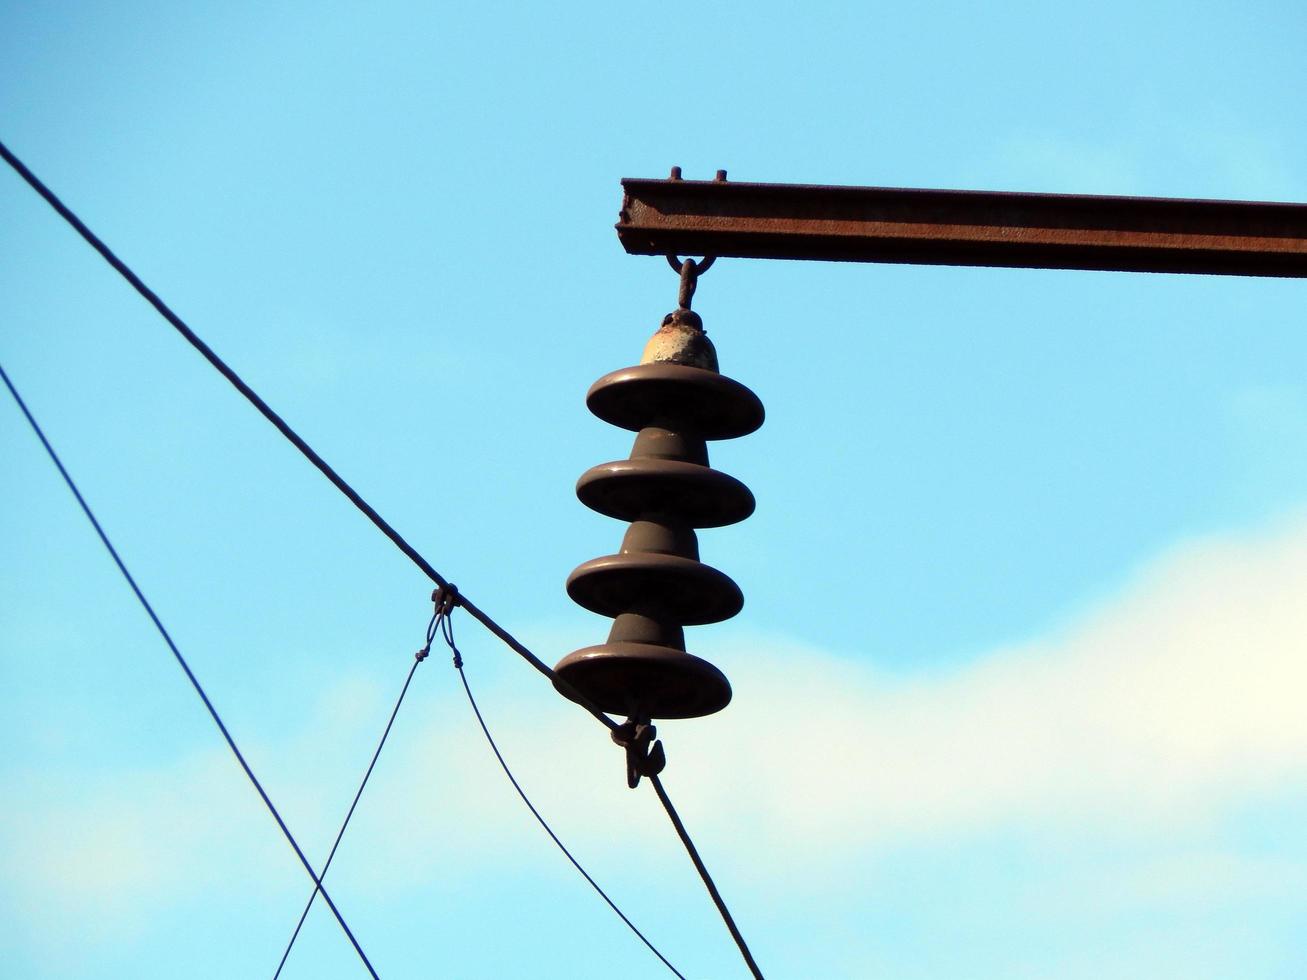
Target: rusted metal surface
column 943, row 227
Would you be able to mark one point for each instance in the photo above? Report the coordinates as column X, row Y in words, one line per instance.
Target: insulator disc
column 680, row 397
column 700, row 496
column 686, row 591
column 659, row 681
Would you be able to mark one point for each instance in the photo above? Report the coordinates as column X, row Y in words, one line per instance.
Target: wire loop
column 448, row 631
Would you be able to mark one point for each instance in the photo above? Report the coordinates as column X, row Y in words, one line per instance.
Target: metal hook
column 690, row 271
column 701, row 266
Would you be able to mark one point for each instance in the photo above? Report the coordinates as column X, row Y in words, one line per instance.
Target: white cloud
column 110, row 851
column 1173, row 701
column 1170, row 705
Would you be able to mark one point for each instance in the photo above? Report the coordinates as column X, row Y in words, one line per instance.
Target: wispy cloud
column 1170, row 703
column 1170, row 706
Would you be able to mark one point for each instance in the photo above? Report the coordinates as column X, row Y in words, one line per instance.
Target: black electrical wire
column 190, row 675
column 703, row 873
column 337, row 481
column 447, row 632
column 305, row 449
column 420, row 656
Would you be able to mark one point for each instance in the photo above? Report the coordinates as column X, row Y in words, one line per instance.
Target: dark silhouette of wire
column 703, row 873
column 447, row 631
column 420, row 656
column 305, row 449
column 396, row 538
column 195, row 683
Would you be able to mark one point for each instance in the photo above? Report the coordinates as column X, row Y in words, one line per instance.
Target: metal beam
column 941, row 227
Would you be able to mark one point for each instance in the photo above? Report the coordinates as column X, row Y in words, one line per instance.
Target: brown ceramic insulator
column 643, row 668
column 639, row 678
column 661, row 536
column 678, row 397
column 656, row 573
column 637, row 627
column 681, row 589
column 656, row 442
column 668, row 474
column 676, row 401
column 630, row 488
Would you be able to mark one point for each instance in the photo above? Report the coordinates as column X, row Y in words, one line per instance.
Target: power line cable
column 703, row 873
column 418, row 657
column 190, row 675
column 447, row 630
column 281, row 425
column 307, row 451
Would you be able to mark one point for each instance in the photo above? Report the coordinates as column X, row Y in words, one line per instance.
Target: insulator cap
column 681, row 340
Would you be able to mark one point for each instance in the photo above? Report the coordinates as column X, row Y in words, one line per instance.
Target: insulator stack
column 676, row 401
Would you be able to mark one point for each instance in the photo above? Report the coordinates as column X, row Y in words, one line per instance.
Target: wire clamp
column 644, row 756
column 446, row 597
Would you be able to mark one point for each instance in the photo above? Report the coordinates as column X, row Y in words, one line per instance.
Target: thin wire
column 417, row 659
column 448, row 633
column 305, row 449
column 703, row 873
column 195, row 683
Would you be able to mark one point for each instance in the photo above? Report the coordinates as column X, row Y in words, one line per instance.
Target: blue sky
column 1017, row 679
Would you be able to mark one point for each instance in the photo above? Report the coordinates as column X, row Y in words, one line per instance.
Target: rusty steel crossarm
column 945, row 227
